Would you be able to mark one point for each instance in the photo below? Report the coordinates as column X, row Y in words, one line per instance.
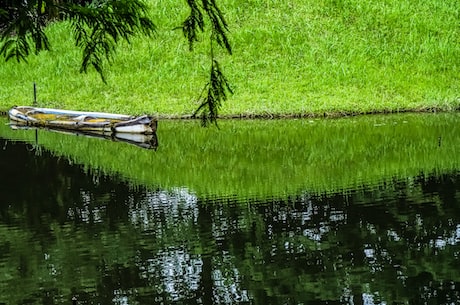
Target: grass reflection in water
column 272, row 158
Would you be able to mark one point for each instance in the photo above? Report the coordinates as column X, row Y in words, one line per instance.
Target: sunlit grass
column 290, row 57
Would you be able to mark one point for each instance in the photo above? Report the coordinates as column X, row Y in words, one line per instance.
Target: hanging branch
column 192, row 24
column 98, row 26
column 218, row 23
column 22, row 31
column 215, row 90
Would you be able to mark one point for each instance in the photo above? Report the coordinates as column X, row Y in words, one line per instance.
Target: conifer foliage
column 215, row 90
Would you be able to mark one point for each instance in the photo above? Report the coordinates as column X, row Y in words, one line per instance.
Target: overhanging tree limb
column 98, row 26
column 216, row 92
column 217, row 87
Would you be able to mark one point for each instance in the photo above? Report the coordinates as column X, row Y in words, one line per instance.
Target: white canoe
column 82, row 121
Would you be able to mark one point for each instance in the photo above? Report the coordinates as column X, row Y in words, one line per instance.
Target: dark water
column 68, row 231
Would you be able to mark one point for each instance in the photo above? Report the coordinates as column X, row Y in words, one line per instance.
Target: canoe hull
column 106, row 123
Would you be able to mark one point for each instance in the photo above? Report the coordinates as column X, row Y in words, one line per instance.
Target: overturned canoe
column 82, row 121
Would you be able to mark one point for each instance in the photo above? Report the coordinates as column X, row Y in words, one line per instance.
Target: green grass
column 290, row 58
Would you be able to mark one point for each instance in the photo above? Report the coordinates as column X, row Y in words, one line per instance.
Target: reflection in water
column 67, row 231
column 163, row 210
column 147, row 141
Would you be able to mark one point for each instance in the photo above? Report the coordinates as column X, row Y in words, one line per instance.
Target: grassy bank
column 290, row 57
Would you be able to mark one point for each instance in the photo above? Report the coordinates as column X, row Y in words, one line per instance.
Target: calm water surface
column 67, row 230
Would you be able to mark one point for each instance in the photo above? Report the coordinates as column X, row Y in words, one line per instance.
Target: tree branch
column 217, row 87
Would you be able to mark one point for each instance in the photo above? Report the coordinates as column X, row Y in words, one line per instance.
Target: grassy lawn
column 303, row 58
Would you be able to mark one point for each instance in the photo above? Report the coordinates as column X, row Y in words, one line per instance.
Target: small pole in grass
column 35, row 94
column 35, row 105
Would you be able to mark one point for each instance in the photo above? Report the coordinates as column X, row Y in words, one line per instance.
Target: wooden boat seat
column 40, row 115
column 88, row 118
column 33, row 112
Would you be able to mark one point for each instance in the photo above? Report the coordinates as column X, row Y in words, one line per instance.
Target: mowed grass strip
column 301, row 58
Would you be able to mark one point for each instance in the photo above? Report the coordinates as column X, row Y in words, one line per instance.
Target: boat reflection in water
column 146, row 141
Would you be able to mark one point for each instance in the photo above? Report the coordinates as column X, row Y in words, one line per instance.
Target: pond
column 359, row 210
